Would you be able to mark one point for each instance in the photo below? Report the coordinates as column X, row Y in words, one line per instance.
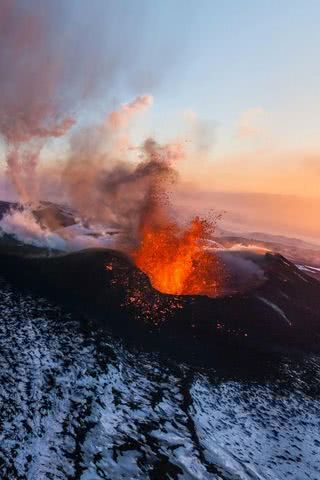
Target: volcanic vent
column 176, row 259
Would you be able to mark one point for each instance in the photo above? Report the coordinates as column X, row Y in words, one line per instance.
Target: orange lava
column 176, row 260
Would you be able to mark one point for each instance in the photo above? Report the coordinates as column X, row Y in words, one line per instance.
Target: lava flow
column 176, row 259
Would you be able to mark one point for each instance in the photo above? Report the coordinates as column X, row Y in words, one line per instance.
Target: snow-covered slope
column 80, row 405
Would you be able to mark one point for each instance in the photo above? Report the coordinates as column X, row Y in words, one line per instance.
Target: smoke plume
column 30, row 83
column 55, row 61
column 110, row 181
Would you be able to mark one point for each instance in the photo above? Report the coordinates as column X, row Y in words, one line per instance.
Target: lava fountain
column 176, row 258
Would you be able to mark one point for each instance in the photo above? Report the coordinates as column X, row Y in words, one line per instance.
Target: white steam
column 245, row 266
column 24, row 227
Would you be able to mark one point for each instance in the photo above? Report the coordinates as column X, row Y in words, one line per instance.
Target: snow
column 83, row 406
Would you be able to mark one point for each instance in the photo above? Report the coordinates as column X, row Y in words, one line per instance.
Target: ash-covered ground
column 78, row 404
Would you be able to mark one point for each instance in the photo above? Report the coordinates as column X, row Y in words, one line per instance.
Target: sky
column 238, row 78
column 251, row 70
column 246, row 71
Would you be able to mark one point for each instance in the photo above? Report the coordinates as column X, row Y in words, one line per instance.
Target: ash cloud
column 109, row 181
column 56, row 60
column 29, row 111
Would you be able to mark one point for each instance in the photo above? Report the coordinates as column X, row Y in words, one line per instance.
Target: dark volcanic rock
column 106, row 287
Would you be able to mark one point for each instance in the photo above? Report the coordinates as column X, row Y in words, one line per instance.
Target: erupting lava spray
column 176, row 259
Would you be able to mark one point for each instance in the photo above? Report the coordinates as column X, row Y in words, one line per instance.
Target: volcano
column 107, row 288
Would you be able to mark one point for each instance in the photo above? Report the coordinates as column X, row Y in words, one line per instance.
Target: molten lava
column 176, row 259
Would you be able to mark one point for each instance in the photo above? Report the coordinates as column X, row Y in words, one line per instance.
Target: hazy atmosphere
column 246, row 116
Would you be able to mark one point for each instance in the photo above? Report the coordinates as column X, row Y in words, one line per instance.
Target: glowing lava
column 176, row 259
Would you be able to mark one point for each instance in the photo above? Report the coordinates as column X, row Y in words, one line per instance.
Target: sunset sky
column 246, row 73
column 250, row 73
column 237, row 81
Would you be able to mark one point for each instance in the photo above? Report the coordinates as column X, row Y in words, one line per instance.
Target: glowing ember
column 176, row 259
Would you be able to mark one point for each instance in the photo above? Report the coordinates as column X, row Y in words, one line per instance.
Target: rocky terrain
column 90, row 389
column 79, row 404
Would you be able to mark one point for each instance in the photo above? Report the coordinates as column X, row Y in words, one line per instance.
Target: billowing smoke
column 23, row 226
column 54, row 60
column 48, row 70
column 107, row 179
column 31, row 83
column 111, row 182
